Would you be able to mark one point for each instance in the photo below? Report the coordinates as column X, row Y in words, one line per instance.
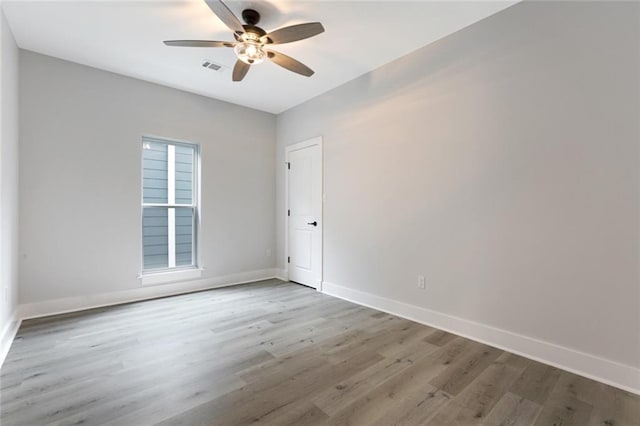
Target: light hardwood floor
column 281, row 354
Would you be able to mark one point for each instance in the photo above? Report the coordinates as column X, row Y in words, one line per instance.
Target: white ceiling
column 126, row 37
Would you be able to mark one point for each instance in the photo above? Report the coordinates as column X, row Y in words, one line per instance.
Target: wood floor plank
column 536, row 382
column 465, row 368
column 566, row 403
column 615, row 407
column 610, row 406
column 336, row 398
column 303, row 413
column 259, row 400
column 484, row 392
column 439, row 337
column 513, row 410
column 411, row 383
column 416, row 409
column 277, row 353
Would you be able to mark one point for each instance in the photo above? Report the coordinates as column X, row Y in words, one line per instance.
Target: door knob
column 314, row 223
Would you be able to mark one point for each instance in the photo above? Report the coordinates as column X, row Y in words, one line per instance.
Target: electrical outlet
column 269, row 252
column 421, row 282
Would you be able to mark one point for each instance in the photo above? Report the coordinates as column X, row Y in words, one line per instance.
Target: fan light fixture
column 253, row 44
column 250, row 52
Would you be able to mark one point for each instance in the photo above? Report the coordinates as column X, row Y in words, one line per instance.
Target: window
column 169, row 205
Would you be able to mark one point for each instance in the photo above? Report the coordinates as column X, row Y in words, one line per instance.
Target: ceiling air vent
column 212, row 65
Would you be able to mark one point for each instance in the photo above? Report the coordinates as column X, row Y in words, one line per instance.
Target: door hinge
column 289, row 259
column 288, row 212
column 289, row 166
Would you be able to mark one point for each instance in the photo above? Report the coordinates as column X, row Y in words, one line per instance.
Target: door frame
column 287, row 150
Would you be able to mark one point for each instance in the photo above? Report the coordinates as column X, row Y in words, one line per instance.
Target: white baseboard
column 73, row 304
column 282, row 274
column 593, row 367
column 7, row 335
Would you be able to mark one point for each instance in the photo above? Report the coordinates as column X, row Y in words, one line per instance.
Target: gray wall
column 502, row 163
column 8, row 176
column 80, row 189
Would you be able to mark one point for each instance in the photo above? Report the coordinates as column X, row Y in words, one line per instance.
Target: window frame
column 195, row 206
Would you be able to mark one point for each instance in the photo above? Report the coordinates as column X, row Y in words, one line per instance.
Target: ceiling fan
column 253, row 43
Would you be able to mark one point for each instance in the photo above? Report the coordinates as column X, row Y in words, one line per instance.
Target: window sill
column 166, row 277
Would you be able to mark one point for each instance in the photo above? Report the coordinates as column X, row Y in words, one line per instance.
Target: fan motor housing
column 250, row 16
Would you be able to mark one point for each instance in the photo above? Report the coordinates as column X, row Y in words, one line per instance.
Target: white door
column 305, row 212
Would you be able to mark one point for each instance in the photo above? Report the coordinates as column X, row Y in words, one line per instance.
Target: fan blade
column 240, row 70
column 289, row 63
column 226, row 15
column 199, row 43
column 293, row 33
